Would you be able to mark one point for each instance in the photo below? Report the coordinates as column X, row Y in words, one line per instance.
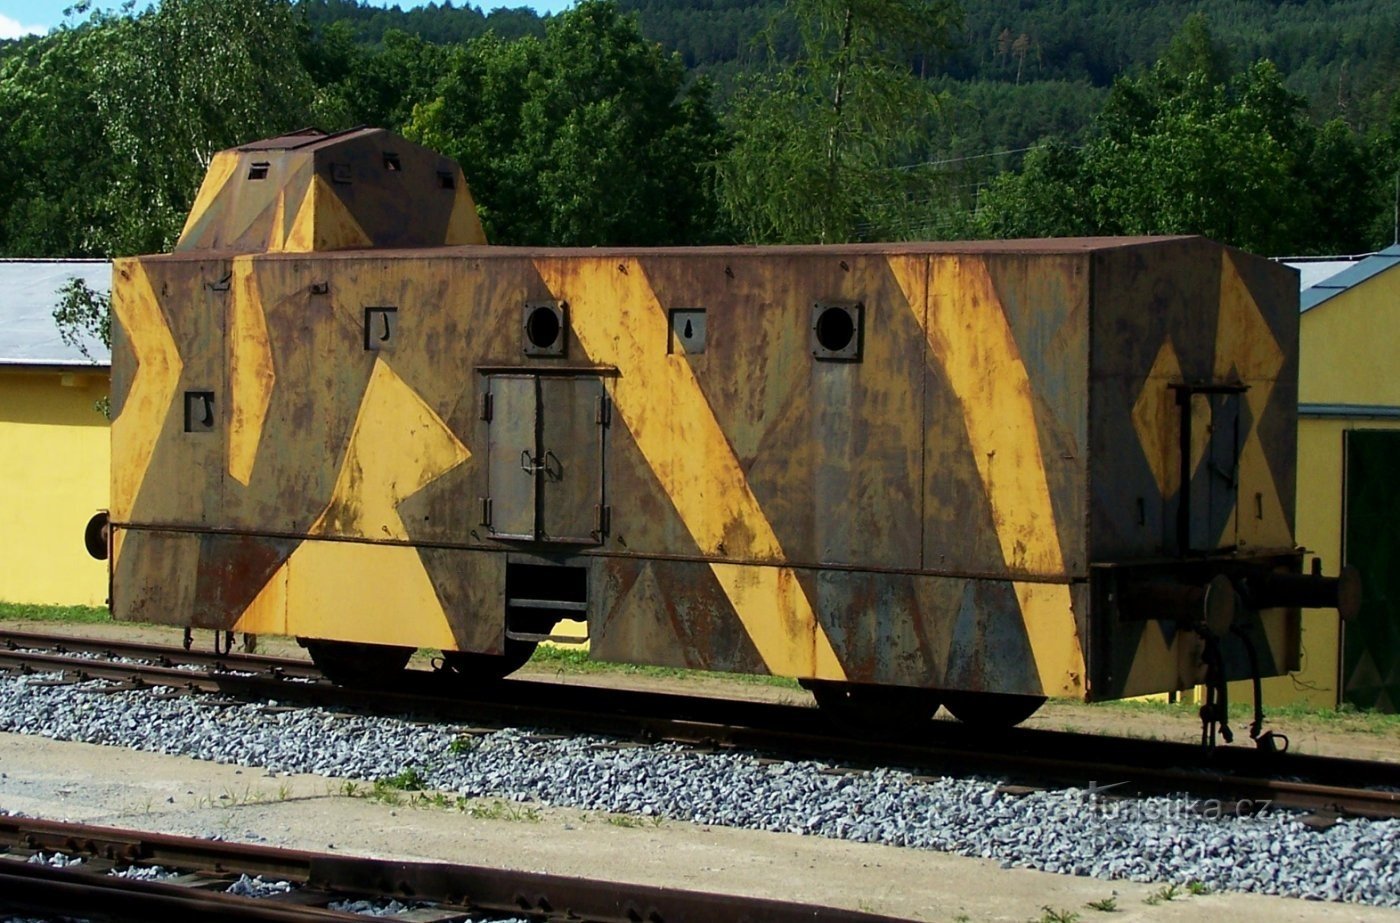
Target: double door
column 545, row 445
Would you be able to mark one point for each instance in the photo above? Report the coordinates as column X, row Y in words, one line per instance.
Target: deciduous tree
column 1189, row 149
column 589, row 136
column 822, row 142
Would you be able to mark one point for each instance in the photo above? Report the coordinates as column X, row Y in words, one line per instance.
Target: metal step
column 550, row 604
column 535, row 636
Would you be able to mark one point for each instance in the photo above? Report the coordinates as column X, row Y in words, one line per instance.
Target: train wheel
column 873, row 707
column 475, row 669
column 348, row 664
column 991, row 709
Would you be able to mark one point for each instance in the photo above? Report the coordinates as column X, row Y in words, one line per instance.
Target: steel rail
column 1237, row 778
column 457, row 891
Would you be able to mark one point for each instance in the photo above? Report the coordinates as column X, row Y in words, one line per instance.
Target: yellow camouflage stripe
column 619, row 321
column 969, row 337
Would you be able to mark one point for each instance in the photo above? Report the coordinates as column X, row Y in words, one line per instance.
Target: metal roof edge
column 62, row 260
column 1350, row 411
column 52, row 365
column 1349, row 278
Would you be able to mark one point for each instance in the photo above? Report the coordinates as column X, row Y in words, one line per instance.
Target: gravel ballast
column 1070, row 831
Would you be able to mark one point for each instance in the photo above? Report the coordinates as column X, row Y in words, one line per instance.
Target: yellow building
column 1349, row 481
column 54, row 455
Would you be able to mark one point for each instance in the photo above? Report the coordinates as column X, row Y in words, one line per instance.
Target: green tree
column 54, row 163
column 1039, row 200
column 369, row 85
column 1383, row 152
column 183, row 81
column 84, row 315
column 822, row 142
column 1194, row 51
column 1179, row 150
column 589, row 136
column 107, row 127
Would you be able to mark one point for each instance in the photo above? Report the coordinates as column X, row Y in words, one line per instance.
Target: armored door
column 1212, row 428
column 545, row 458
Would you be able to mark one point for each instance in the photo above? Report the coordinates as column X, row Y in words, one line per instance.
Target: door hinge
column 602, row 520
column 487, row 406
column 486, row 512
column 602, row 410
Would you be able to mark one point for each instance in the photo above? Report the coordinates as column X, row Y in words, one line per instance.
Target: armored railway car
column 980, row 473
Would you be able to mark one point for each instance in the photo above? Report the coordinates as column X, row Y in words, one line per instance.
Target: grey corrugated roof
column 1373, row 265
column 28, row 295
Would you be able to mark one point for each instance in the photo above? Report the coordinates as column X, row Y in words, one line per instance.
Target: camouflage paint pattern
column 331, row 420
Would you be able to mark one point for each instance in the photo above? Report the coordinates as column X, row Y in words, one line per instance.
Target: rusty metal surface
column 924, row 502
column 1023, row 246
column 460, row 888
column 1193, row 397
column 314, row 192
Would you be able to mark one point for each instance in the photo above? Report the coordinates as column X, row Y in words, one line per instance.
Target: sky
column 23, row 17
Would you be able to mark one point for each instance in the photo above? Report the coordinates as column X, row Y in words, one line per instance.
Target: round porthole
column 835, row 329
column 544, row 328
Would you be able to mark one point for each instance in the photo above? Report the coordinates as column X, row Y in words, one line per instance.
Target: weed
column 636, row 820
column 1106, row 905
column 431, row 800
column 1051, row 915
column 460, row 745
column 350, row 789
column 385, row 792
column 408, row 779
column 1164, row 893
column 232, row 798
column 1197, row 888
column 500, row 810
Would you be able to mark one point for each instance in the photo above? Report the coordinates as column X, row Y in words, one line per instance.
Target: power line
column 948, row 160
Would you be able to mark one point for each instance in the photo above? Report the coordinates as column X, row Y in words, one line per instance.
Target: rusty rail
column 1326, row 785
column 454, row 892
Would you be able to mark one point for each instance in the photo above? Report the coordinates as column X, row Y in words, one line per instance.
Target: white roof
column 28, row 296
column 1360, row 271
column 1311, row 272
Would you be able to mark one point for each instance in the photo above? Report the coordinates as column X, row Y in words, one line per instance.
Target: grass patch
column 1104, row 905
column 1164, row 893
column 1345, row 718
column 408, row 779
column 558, row 659
column 634, row 820
column 499, row 810
column 408, row 789
column 34, row 613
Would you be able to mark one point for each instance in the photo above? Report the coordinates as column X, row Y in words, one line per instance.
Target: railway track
column 191, row 879
column 1233, row 779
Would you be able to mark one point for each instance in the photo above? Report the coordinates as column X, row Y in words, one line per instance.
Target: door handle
column 553, row 467
column 529, row 464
